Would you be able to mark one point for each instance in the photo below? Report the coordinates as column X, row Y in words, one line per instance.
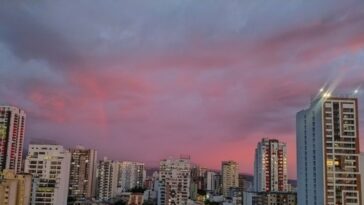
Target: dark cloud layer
column 142, row 80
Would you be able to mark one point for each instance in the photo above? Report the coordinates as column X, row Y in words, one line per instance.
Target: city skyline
column 176, row 78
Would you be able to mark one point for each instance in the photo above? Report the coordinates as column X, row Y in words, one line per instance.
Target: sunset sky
column 144, row 80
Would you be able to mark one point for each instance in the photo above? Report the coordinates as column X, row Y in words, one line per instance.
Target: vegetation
column 137, row 190
column 120, row 202
column 211, row 203
column 148, row 203
column 201, row 192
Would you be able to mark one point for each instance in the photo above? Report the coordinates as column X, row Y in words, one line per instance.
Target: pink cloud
column 213, row 97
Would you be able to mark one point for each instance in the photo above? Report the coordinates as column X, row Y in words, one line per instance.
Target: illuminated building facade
column 82, row 182
column 230, row 176
column 12, row 130
column 270, row 166
column 328, row 152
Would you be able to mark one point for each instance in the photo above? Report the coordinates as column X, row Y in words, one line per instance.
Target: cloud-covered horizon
column 143, row 80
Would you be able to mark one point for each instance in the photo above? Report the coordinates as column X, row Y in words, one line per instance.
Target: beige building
column 174, row 181
column 230, row 176
column 15, row 188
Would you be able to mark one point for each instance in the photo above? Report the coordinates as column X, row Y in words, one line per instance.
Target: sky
column 145, row 80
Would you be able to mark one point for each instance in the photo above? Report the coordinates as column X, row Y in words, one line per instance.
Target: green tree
column 211, row 203
column 148, row 203
column 120, row 202
column 137, row 190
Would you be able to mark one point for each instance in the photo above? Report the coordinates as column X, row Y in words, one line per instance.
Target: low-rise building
column 15, row 188
column 269, row 198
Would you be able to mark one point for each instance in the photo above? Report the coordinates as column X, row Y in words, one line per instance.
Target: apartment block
column 174, row 181
column 270, row 166
column 107, row 176
column 50, row 168
column 82, row 182
column 328, row 152
column 230, row 176
column 15, row 188
column 12, row 131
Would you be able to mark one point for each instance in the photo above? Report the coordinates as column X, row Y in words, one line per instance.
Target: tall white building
column 230, row 176
column 210, row 181
column 82, row 183
column 270, row 166
column 328, row 152
column 107, row 177
column 131, row 175
column 12, row 130
column 50, row 167
column 174, row 181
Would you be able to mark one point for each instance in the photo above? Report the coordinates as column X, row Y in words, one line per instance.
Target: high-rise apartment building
column 328, row 152
column 107, row 177
column 174, row 181
column 218, row 184
column 82, row 182
column 12, row 130
column 50, row 167
column 131, row 175
column 15, row 188
column 198, row 181
column 210, row 181
column 230, row 176
column 270, row 166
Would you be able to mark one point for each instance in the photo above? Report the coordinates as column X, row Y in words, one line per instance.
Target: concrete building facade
column 12, row 131
column 50, row 168
column 275, row 199
column 328, row 152
column 107, row 176
column 174, row 181
column 82, row 182
column 230, row 176
column 270, row 166
column 15, row 189
column 210, row 181
column 131, row 175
